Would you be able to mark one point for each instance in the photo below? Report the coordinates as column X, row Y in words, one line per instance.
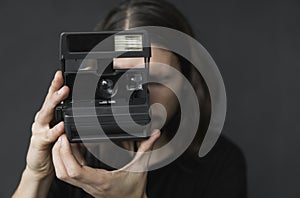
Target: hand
column 39, row 160
column 99, row 182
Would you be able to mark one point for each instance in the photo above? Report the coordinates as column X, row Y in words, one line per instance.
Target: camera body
column 105, row 102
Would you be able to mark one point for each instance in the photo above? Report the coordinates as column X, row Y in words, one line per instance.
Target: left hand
column 100, row 182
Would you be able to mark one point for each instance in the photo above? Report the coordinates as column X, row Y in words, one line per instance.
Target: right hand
column 39, row 158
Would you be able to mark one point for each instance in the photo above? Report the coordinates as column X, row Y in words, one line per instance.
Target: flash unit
column 132, row 42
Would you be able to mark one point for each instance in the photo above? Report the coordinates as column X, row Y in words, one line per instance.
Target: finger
column 57, row 82
column 73, row 168
column 55, row 132
column 147, row 145
column 46, row 113
column 56, row 85
column 80, row 174
column 59, row 167
column 141, row 159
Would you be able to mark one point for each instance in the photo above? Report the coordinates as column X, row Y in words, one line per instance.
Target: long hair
column 137, row 13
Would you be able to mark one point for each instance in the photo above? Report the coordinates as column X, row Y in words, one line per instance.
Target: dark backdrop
column 256, row 45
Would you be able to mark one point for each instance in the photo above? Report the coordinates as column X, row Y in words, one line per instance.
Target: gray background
column 255, row 44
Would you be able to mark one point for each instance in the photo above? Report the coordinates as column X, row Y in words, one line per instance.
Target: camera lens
column 106, row 89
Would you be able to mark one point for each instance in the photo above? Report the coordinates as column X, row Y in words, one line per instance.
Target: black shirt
column 220, row 174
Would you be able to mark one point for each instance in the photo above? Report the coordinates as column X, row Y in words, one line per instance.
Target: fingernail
column 60, row 91
column 58, row 126
column 59, row 139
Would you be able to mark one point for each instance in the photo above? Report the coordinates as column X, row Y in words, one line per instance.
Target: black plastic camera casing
column 100, row 93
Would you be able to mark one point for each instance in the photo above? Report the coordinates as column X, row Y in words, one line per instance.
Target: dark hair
column 136, row 13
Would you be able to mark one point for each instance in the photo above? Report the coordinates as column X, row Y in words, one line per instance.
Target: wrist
column 33, row 184
column 37, row 175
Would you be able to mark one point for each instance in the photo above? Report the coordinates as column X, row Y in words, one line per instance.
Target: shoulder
column 225, row 149
column 225, row 168
column 221, row 173
column 224, row 163
column 225, row 156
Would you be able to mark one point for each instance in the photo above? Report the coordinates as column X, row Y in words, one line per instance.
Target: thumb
column 141, row 159
column 147, row 145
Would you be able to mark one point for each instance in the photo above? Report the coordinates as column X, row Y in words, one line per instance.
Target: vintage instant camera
column 100, row 93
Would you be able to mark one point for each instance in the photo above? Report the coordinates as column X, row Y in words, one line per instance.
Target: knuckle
column 51, row 102
column 38, row 119
column 36, row 115
column 54, row 100
column 61, row 176
column 33, row 139
column 48, row 137
column 105, row 187
column 54, row 84
column 39, row 116
column 37, row 129
column 34, row 127
column 74, row 173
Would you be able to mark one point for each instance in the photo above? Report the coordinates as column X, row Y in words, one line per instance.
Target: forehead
column 159, row 56
column 162, row 56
